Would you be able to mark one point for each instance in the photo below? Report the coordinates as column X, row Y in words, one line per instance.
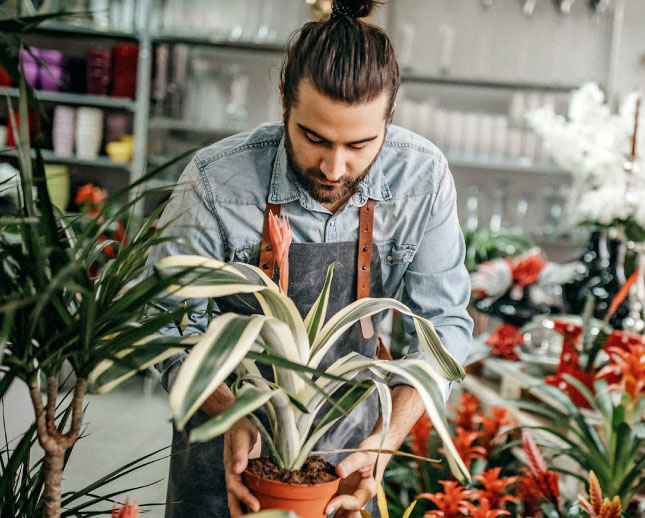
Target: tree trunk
column 53, row 441
column 53, row 482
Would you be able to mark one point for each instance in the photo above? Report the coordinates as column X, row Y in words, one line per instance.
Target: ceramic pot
column 306, row 500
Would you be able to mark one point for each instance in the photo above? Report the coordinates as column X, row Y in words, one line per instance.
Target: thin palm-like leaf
column 224, row 344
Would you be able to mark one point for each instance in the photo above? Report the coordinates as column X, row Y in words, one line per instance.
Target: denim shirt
column 218, row 207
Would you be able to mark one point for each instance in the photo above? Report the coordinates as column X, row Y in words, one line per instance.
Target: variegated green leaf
column 248, row 400
column 443, row 361
column 220, row 349
column 316, row 316
column 429, row 386
column 204, row 277
column 143, row 354
column 279, row 336
column 276, row 305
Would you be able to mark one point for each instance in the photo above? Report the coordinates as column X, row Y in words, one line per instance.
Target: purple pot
column 29, row 57
column 51, row 77
column 51, row 57
column 32, row 71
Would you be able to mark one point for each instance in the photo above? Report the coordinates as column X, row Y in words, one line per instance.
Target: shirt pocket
column 395, row 259
column 249, row 254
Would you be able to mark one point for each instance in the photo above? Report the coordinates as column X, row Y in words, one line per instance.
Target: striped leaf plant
column 297, row 394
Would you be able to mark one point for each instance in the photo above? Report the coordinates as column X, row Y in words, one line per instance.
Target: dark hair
column 345, row 58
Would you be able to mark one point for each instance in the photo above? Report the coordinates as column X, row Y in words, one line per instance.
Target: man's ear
column 391, row 117
column 284, row 106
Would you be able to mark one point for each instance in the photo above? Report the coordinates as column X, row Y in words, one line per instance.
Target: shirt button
column 389, row 258
column 332, row 222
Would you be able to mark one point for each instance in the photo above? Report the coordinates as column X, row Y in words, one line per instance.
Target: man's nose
column 333, row 164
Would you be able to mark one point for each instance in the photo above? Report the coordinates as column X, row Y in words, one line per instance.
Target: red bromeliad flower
column 467, row 411
column 464, row 442
column 504, row 340
column 451, row 503
column 127, row 511
column 529, row 494
column 526, row 270
column 492, row 425
column 630, row 363
column 546, row 481
column 420, row 433
column 485, row 510
column 281, row 236
column 494, row 488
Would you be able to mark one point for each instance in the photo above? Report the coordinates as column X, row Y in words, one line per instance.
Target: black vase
column 602, row 274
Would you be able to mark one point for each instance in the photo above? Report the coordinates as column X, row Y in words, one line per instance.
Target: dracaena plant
column 52, row 310
column 295, row 347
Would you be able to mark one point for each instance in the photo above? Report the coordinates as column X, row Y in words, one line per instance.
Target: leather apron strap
column 267, row 259
column 365, row 228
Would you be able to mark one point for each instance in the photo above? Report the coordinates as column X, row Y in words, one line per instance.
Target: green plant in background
column 52, row 310
column 483, row 244
column 616, row 455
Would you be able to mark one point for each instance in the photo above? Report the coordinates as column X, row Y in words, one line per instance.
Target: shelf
column 72, row 29
column 520, row 165
column 103, row 101
column 168, row 124
column 50, row 157
column 484, row 83
column 219, row 43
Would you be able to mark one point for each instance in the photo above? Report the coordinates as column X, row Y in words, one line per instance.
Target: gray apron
column 196, row 486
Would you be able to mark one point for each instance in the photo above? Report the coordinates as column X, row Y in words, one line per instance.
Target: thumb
column 240, row 446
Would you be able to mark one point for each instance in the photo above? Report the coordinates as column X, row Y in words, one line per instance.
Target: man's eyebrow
column 352, row 143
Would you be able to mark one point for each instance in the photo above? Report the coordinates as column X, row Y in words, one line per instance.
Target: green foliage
column 484, row 245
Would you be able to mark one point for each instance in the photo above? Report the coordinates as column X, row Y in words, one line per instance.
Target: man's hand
column 358, row 485
column 241, row 443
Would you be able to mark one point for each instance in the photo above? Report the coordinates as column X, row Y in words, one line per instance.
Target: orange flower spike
column 280, row 235
column 494, row 487
column 127, row 511
column 595, row 493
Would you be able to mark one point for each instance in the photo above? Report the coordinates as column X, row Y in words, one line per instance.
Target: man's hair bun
column 353, row 8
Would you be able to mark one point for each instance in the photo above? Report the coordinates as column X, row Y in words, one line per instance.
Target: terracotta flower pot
column 306, row 500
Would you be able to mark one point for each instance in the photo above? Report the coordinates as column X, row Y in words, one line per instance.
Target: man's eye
column 357, row 146
column 313, row 139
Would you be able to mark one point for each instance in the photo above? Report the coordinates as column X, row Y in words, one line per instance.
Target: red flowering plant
column 105, row 219
column 515, row 289
column 479, row 437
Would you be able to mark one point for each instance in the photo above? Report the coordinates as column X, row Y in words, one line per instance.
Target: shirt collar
column 285, row 187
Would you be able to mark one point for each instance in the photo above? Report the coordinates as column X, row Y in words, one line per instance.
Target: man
column 334, row 154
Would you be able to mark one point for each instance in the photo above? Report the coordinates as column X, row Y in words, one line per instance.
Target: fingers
column 359, row 490
column 239, row 494
column 236, row 449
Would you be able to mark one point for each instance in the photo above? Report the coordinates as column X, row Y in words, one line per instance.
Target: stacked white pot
column 89, row 132
column 64, row 126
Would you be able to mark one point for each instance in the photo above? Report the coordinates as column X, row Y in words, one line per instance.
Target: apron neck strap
column 365, row 227
column 267, row 259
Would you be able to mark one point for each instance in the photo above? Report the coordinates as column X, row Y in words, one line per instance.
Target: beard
column 309, row 178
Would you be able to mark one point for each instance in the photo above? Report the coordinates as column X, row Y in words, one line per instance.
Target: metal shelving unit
column 50, row 157
column 519, row 166
column 101, row 101
column 218, row 43
column 484, row 83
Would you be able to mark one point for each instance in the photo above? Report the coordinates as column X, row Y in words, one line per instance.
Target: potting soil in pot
column 315, row 470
